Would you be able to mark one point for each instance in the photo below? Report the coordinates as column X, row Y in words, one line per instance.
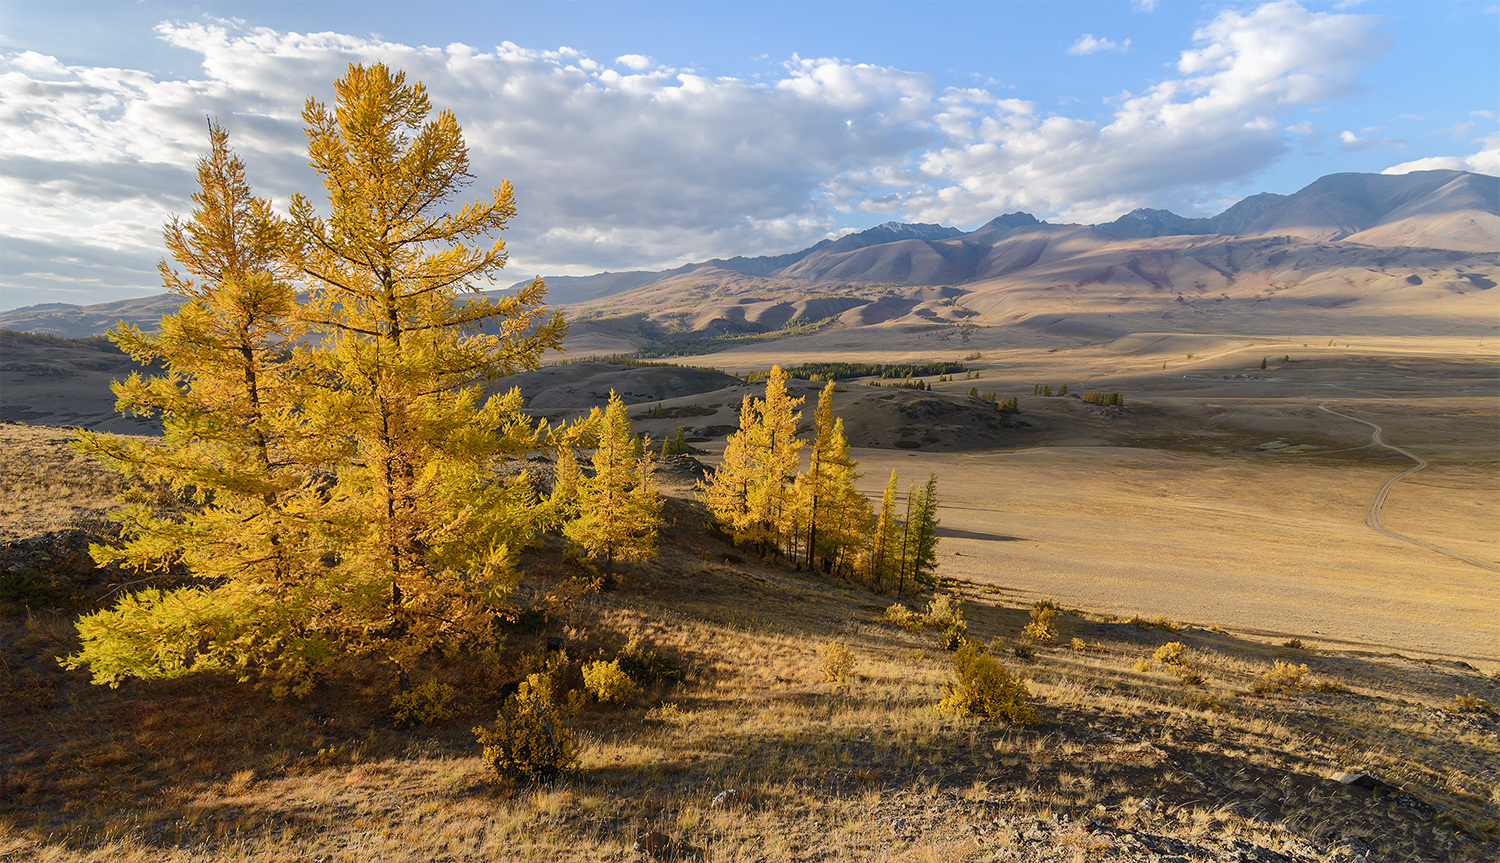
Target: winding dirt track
column 1372, row 517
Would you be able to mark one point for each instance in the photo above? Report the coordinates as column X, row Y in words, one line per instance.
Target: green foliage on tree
column 340, row 449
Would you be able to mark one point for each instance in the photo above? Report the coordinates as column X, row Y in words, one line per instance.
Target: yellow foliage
column 527, row 742
column 981, row 685
column 425, row 704
column 838, row 661
column 606, row 682
column 1169, row 653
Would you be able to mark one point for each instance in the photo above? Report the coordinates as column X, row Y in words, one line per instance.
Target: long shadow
column 960, row 533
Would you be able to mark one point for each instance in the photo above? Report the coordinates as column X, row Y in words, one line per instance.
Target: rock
column 1363, row 780
column 727, row 798
column 656, row 844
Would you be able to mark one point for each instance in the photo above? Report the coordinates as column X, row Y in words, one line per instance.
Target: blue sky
column 646, row 135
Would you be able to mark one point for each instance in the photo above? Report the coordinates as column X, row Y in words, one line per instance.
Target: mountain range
column 1344, row 239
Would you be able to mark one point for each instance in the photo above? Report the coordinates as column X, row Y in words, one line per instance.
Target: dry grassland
column 1124, row 765
column 46, row 485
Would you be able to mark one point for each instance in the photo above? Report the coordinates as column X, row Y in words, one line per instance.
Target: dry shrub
column 1142, row 665
column 1283, row 675
column 1169, row 653
column 430, row 702
column 1043, row 625
column 607, row 682
column 902, row 617
column 648, row 667
column 838, row 661
column 1471, row 703
column 527, row 742
column 981, row 685
column 1024, row 648
column 1078, row 645
column 1157, row 622
column 943, row 612
column 1298, row 644
column 956, row 636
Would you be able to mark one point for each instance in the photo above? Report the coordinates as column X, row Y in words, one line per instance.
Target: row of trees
column 323, row 404
column 763, row 496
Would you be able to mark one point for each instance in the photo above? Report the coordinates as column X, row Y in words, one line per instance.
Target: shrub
column 956, row 636
column 1078, row 645
column 1043, row 625
column 838, row 661
column 1024, row 648
column 423, row 705
column 1157, row 622
column 1283, row 675
column 647, row 667
column 1206, row 703
column 943, row 612
column 902, row 617
column 1298, row 644
column 1142, row 665
column 1187, row 676
column 1169, row 653
column 527, row 742
column 608, row 683
column 1470, row 703
column 981, row 685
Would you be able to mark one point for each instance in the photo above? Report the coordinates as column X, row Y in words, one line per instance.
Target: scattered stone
column 655, row 844
column 727, row 798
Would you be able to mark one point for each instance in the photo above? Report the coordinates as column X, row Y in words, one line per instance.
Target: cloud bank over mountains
column 635, row 164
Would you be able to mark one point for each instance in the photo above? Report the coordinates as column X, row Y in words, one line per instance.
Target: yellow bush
column 1471, row 703
column 527, row 742
column 1169, row 654
column 902, row 617
column 943, row 612
column 838, row 661
column 608, row 683
column 1043, row 625
column 1143, row 665
column 1283, row 675
column 422, row 705
column 981, row 685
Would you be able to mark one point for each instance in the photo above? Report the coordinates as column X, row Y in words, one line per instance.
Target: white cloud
column 1485, row 161
column 642, row 165
column 1090, row 44
column 1143, row 5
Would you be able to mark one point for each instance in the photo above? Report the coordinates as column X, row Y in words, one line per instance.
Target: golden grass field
column 1162, row 514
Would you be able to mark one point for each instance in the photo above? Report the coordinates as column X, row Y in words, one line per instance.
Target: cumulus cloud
column 1485, row 161
column 635, row 164
column 1090, row 44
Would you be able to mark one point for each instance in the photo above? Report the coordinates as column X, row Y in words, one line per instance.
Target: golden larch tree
column 619, row 507
column 234, row 441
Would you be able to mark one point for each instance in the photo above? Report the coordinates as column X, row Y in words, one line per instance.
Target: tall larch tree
column 726, row 492
column 235, row 440
column 397, row 273
column 619, row 507
column 774, row 442
column 885, row 542
column 831, row 513
column 751, row 491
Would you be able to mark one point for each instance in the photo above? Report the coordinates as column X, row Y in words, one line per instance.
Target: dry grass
column 46, row 485
column 1122, row 765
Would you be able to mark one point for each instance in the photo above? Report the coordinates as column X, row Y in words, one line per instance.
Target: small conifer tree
column 619, row 507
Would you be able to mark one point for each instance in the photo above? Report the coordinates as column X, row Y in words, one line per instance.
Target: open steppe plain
column 1176, row 505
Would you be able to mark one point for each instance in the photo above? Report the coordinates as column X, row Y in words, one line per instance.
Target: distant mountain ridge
column 1454, row 210
column 1449, row 210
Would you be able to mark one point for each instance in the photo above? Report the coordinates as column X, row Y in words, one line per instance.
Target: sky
column 648, row 135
